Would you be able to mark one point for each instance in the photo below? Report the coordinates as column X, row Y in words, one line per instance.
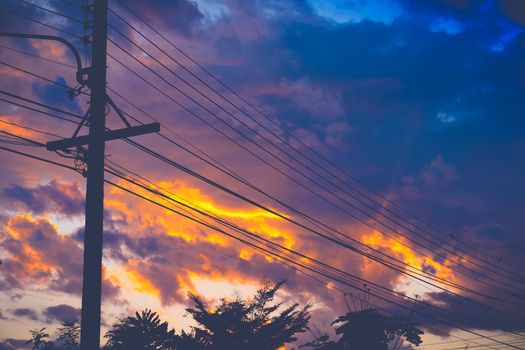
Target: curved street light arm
column 80, row 70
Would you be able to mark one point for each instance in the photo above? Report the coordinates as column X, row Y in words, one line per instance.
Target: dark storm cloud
column 515, row 9
column 61, row 313
column 55, row 197
column 26, row 313
column 472, row 315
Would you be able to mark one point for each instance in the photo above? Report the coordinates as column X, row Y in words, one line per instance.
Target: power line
column 272, row 166
column 37, row 158
column 144, row 21
column 289, row 260
column 267, row 209
column 235, row 176
column 187, row 96
column 40, row 77
column 70, row 18
column 243, row 231
column 40, row 22
column 29, row 128
column 295, row 159
column 37, row 56
column 39, row 104
column 465, row 340
column 248, row 242
column 360, row 252
column 37, row 110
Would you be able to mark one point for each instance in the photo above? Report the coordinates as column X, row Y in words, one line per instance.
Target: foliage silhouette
column 367, row 329
column 69, row 335
column 143, row 331
column 39, row 339
column 254, row 324
column 257, row 323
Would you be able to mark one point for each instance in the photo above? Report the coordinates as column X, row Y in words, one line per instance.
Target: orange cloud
column 6, row 125
column 31, row 263
column 37, row 255
column 402, row 251
column 253, row 219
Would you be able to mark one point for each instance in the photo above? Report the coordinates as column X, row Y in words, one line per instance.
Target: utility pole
column 92, row 281
column 96, row 139
column 95, row 118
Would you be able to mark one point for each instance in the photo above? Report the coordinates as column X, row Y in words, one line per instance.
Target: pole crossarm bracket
column 108, row 136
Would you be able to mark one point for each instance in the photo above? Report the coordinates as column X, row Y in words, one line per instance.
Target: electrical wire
column 373, row 258
column 335, row 194
column 248, row 242
column 37, row 56
column 280, row 171
column 73, row 19
column 144, row 21
column 40, row 22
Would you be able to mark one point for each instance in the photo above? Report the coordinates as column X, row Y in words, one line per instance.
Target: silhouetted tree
column 39, row 340
column 367, row 329
column 69, row 335
column 143, row 331
column 254, row 324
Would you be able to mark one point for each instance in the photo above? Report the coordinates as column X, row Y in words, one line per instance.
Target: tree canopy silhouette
column 367, row 329
column 143, row 331
column 39, row 340
column 255, row 324
column 69, row 334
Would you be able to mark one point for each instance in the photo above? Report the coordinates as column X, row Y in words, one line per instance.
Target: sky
column 410, row 114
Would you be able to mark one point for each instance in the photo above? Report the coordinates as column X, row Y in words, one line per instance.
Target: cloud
column 26, row 313
column 472, row 315
column 436, row 174
column 385, row 79
column 446, row 118
column 319, row 102
column 61, row 313
column 185, row 16
column 355, row 11
column 336, row 134
column 37, row 255
column 62, row 198
column 515, row 9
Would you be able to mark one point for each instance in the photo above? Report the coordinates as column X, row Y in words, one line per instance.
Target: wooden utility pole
column 96, row 139
column 92, row 281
